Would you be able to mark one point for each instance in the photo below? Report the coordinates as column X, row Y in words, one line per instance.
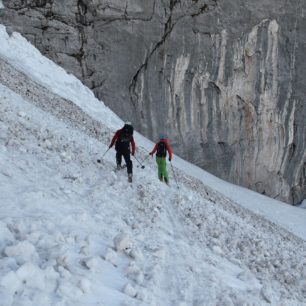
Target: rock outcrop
column 224, row 78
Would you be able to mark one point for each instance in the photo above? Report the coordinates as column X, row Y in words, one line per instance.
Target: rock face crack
column 168, row 27
column 167, row 31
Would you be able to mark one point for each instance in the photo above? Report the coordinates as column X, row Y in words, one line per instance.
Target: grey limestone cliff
column 225, row 79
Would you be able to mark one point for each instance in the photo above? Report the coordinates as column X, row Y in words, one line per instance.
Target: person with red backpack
column 161, row 148
column 123, row 140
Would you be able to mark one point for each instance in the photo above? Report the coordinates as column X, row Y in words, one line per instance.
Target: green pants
column 162, row 169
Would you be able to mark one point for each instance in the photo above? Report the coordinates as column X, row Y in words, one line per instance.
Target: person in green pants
column 161, row 148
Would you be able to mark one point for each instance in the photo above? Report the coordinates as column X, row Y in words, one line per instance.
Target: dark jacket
column 120, row 146
column 167, row 146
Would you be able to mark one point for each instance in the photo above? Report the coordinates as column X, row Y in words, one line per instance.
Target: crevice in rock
column 202, row 9
column 205, row 8
column 217, row 88
column 169, row 25
column 83, row 11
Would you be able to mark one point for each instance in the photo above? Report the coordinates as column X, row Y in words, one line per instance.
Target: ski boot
column 130, row 177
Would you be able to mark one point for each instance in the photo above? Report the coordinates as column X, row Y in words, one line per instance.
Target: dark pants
column 127, row 157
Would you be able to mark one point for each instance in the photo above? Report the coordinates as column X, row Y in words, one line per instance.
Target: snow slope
column 74, row 232
column 27, row 59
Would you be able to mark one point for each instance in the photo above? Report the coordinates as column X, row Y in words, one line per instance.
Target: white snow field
column 74, row 232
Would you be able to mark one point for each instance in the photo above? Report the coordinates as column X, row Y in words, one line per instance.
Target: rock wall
column 223, row 78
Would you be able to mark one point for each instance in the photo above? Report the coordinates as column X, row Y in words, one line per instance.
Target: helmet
column 127, row 123
column 162, row 136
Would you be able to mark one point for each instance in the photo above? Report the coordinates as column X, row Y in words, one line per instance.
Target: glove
column 109, row 146
column 133, row 153
column 169, row 159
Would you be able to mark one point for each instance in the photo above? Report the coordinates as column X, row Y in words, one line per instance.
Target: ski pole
column 142, row 166
column 146, row 158
column 99, row 160
column 174, row 175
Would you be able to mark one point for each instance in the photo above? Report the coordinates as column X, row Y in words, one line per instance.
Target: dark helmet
column 128, row 128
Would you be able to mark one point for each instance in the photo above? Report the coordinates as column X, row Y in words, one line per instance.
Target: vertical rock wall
column 224, row 78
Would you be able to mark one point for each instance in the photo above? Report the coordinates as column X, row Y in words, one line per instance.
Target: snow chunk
column 267, row 294
column 93, row 263
column 111, row 256
column 47, row 143
column 160, row 253
column 8, row 264
column 23, row 251
column 32, row 276
column 130, row 290
column 66, row 260
column 217, row 250
column 122, row 242
column 22, row 114
column 85, row 285
column 135, row 273
column 10, row 282
column 67, row 289
column 6, row 298
column 134, row 253
column 51, row 277
column 5, row 234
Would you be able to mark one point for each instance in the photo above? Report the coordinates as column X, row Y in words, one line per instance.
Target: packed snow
column 74, row 232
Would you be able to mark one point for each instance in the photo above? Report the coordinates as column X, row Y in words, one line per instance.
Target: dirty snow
column 74, row 232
